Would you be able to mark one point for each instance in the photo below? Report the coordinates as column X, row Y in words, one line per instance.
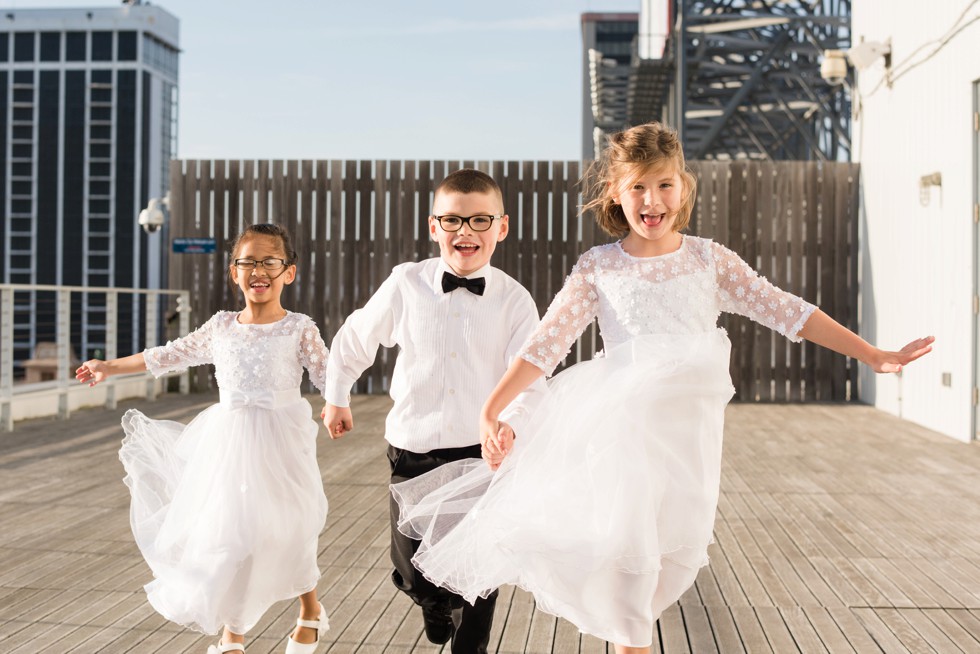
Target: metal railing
column 146, row 311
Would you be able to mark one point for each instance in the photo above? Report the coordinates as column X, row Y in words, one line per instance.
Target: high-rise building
column 607, row 49
column 88, row 126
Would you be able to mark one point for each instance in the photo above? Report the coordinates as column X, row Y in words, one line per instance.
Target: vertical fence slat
column 801, row 212
column 811, row 283
column 525, row 241
column 780, row 272
column 320, row 235
column 828, row 296
column 409, row 222
column 262, row 186
column 335, row 273
column 542, row 220
column 764, row 346
column 853, row 207
column 842, row 292
column 249, row 190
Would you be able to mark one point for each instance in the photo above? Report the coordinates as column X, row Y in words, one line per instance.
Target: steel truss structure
column 741, row 80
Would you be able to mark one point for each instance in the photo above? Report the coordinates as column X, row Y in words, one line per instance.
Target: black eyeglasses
column 252, row 264
column 478, row 223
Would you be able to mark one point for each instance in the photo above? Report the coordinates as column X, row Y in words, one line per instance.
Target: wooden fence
column 352, row 221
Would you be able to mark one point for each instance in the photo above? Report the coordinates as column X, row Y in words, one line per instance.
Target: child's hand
column 893, row 361
column 497, row 439
column 92, row 372
column 338, row 420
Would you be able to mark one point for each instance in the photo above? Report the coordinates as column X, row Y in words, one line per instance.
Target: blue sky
column 378, row 79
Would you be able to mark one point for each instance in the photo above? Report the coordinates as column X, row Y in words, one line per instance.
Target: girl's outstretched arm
column 496, row 441
column 94, row 371
column 824, row 330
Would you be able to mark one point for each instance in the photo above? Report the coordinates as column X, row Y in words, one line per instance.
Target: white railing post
column 58, row 396
column 111, row 342
column 6, row 358
column 63, row 339
column 184, row 327
column 151, row 339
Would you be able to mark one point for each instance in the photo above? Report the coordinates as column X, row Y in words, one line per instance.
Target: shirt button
column 456, row 314
column 452, row 391
column 452, row 355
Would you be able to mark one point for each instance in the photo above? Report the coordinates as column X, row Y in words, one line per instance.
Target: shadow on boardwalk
column 840, row 529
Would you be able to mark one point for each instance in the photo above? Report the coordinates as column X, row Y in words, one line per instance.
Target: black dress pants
column 473, row 622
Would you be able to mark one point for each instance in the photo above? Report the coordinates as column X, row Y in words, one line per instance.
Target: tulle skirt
column 226, row 510
column 604, row 510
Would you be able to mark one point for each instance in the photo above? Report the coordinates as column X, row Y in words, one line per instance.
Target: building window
column 160, row 56
column 101, row 46
column 75, row 46
column 4, row 46
column 24, row 46
column 127, row 46
column 50, row 46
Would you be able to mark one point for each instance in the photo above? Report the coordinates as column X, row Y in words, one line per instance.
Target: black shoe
column 439, row 625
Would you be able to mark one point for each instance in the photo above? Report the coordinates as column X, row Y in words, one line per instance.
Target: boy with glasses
column 458, row 322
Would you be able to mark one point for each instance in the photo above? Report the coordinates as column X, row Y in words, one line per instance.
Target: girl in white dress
column 604, row 508
column 228, row 509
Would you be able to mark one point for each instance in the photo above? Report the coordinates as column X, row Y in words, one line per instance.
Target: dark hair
column 261, row 229
column 628, row 155
column 468, row 180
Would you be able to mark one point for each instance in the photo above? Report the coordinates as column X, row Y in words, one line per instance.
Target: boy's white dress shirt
column 454, row 348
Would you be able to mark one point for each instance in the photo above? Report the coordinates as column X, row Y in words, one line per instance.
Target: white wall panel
column 918, row 269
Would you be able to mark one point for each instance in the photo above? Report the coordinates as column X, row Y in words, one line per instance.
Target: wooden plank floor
column 840, row 529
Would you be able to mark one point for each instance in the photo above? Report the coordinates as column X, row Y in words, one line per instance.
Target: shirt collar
column 486, row 272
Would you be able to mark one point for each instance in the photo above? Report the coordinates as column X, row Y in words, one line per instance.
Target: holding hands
column 496, row 440
column 337, row 419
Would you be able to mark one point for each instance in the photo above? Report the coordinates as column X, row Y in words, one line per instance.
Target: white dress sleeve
column 182, row 353
column 313, row 353
column 573, row 309
column 744, row 291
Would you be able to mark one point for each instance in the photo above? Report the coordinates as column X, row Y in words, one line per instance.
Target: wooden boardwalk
column 840, row 529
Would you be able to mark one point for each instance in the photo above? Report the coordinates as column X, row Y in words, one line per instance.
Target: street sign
column 194, row 245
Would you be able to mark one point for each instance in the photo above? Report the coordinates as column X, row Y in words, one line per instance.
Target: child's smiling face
column 467, row 250
column 651, row 203
column 261, row 285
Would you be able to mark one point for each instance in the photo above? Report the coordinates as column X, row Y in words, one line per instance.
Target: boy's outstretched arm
column 824, row 330
column 337, row 419
column 94, row 371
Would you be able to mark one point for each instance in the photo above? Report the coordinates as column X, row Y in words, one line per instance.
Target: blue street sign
column 194, row 245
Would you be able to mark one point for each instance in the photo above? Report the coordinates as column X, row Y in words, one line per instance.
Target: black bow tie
column 451, row 282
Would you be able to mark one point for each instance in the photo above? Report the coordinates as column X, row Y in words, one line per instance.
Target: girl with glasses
column 227, row 510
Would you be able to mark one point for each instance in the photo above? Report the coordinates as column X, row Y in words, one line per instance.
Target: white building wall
column 918, row 271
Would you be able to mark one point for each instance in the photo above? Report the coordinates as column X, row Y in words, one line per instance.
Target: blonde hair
column 628, row 155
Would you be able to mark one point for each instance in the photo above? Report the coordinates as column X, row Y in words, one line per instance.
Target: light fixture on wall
column 866, row 53
column 833, row 68
column 926, row 182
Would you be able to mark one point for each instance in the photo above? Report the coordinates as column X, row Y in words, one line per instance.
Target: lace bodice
column 247, row 357
column 683, row 292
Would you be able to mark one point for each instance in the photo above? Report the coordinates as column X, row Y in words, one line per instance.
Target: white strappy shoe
column 221, row 649
column 321, row 625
